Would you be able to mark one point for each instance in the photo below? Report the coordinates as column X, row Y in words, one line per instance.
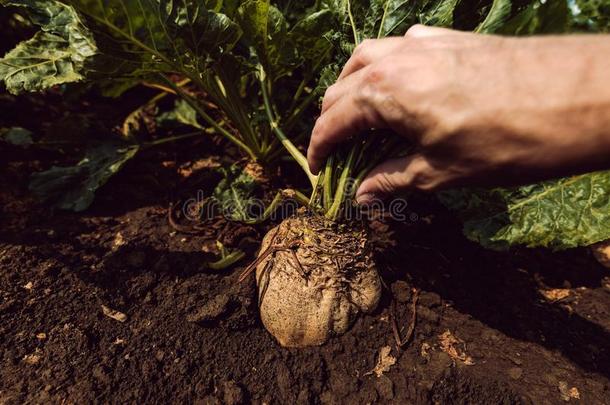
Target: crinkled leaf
column 73, row 188
column 439, row 13
column 55, row 55
column 497, row 16
column 202, row 30
column 590, row 15
column 552, row 16
column 389, row 17
column 266, row 31
column 134, row 39
column 328, row 76
column 17, row 136
column 234, row 193
column 182, row 113
column 309, row 38
column 559, row 214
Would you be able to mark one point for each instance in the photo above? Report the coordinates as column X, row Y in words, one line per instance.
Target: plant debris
column 555, row 294
column 400, row 342
column 384, row 362
column 455, row 348
column 114, row 314
column 568, row 393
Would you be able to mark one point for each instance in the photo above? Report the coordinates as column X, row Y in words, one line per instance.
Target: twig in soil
column 400, row 342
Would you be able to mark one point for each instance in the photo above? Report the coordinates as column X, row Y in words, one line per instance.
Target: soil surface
column 526, row 326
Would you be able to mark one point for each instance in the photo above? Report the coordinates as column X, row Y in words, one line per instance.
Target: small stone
column 118, row 241
column 210, row 311
column 159, row 355
column 114, row 314
column 33, row 358
column 401, row 291
column 515, row 372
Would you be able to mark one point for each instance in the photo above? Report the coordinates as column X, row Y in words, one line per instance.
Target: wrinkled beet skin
column 306, row 303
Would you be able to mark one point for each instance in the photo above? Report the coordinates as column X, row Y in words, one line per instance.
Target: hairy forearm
column 557, row 108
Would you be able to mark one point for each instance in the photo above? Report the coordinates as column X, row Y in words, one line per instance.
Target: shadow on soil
column 501, row 289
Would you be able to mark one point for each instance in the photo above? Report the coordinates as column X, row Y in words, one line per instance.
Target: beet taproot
column 316, row 278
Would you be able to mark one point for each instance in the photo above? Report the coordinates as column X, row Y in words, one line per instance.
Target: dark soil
column 528, row 326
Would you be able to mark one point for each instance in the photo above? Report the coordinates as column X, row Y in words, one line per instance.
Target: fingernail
column 366, row 198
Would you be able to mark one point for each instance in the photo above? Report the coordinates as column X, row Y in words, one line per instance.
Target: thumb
column 422, row 31
column 391, row 176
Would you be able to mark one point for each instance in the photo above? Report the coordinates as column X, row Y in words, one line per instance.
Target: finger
column 413, row 171
column 422, row 31
column 348, row 116
column 369, row 51
column 342, row 88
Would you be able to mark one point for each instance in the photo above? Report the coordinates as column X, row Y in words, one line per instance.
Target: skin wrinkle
column 484, row 109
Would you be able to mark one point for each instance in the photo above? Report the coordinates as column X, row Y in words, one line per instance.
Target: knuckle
column 375, row 74
column 362, row 46
column 318, row 131
column 361, row 51
column 330, row 90
column 370, row 89
column 329, row 95
column 414, row 30
column 385, row 184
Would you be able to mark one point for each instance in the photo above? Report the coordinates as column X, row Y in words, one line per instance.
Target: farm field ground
column 527, row 326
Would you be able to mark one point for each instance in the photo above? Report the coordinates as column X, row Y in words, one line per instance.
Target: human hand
column 481, row 110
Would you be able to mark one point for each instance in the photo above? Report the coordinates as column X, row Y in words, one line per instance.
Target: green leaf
column 439, row 13
column 73, row 188
column 235, row 192
column 308, row 36
column 559, row 214
column 182, row 113
column 390, row 17
column 55, row 55
column 498, row 14
column 552, row 16
column 266, row 31
column 17, row 136
column 328, row 76
column 590, row 15
column 202, row 31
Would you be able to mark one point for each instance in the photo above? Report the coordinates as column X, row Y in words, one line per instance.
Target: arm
column 482, row 110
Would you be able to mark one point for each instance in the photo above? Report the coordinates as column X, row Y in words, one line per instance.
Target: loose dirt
column 526, row 326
